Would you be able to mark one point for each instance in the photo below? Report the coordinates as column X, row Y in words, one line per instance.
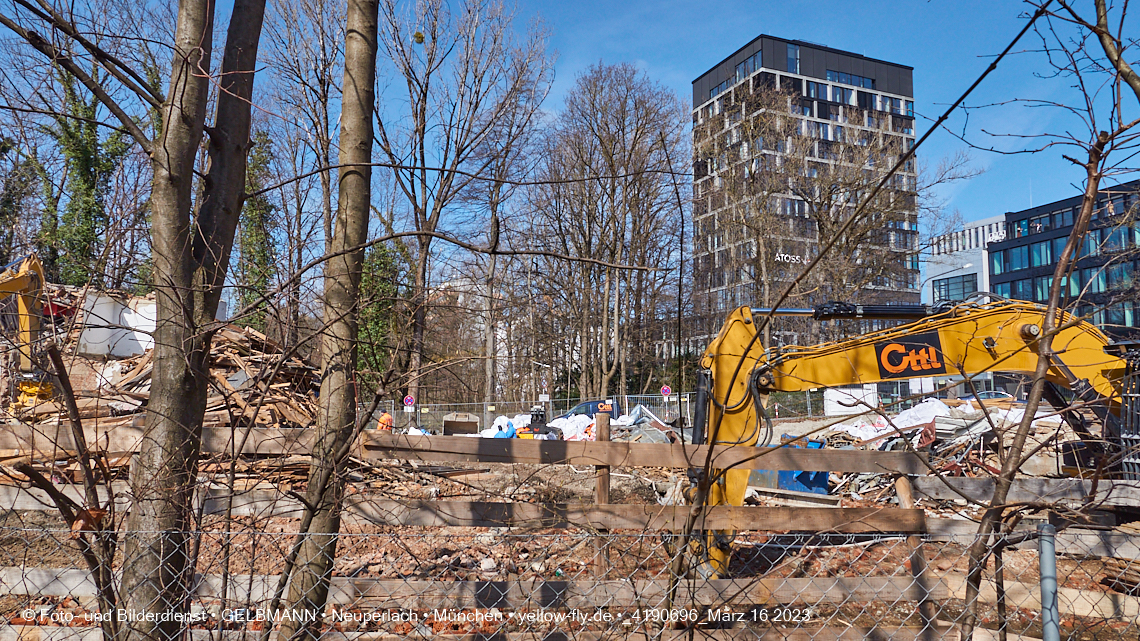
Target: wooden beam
column 1071, row 601
column 1079, row 542
column 365, row 509
column 633, row 517
column 125, row 435
column 256, row 503
column 1108, row 493
column 376, row 444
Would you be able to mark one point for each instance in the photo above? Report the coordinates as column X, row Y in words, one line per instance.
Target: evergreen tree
column 379, row 310
column 255, row 236
column 71, row 241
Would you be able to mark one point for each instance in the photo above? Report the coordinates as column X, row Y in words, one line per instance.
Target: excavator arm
column 968, row 339
column 738, row 374
column 24, row 279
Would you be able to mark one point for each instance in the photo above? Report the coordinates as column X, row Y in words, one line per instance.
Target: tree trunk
column 308, row 589
column 419, row 322
column 190, row 262
column 489, row 328
column 990, row 527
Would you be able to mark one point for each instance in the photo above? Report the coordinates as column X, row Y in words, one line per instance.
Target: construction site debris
column 253, row 383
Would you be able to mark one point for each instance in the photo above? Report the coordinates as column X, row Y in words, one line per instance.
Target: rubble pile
column 253, row 383
column 959, row 438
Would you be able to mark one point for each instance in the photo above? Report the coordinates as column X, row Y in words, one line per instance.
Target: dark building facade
column 836, row 101
column 1102, row 284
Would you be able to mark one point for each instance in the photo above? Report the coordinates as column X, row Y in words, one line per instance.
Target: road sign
column 544, row 398
column 409, row 400
column 665, row 391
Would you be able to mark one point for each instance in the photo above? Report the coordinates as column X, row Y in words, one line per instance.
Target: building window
column 1119, row 276
column 1059, row 246
column 1002, row 289
column 793, row 58
column 1022, row 289
column 1040, row 255
column 1114, row 239
column 850, row 79
column 955, row 287
column 1093, row 280
column 748, row 67
column 1016, row 258
column 816, row 90
column 997, row 263
column 1091, row 244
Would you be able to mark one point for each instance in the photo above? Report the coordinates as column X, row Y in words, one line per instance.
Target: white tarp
column 575, row 428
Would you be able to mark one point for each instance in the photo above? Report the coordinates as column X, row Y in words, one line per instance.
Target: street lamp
column 949, row 271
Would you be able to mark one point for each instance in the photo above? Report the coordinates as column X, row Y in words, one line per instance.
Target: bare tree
column 309, row 585
column 1088, row 52
column 610, row 196
column 305, row 54
column 465, row 76
column 191, row 244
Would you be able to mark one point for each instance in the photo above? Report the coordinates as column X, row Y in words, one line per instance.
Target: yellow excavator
column 24, row 279
column 737, row 374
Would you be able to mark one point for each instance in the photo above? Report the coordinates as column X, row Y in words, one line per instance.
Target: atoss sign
column 910, row 356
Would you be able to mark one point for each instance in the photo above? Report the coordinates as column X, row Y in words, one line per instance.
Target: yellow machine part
column 25, row 280
column 32, row 393
column 966, row 340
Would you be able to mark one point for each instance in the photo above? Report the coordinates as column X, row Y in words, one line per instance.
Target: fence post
column 602, row 494
column 808, row 403
column 1047, row 560
column 917, row 559
column 602, row 434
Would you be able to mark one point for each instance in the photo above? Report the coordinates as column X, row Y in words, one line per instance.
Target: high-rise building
column 1102, row 285
column 788, row 136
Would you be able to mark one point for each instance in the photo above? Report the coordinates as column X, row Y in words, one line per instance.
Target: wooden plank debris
column 632, row 517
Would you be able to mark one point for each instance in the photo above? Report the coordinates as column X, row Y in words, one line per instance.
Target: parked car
column 589, row 408
column 995, row 395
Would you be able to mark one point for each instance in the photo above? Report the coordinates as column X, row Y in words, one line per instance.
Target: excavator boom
column 968, row 339
column 738, row 373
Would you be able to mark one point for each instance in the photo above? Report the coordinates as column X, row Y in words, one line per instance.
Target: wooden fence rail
column 443, row 449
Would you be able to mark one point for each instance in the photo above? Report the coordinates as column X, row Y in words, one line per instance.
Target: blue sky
column 949, row 43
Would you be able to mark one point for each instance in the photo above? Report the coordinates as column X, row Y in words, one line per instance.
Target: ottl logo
column 914, row 355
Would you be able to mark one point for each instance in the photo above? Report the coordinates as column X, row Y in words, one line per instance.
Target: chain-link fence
column 425, row 583
column 431, row 416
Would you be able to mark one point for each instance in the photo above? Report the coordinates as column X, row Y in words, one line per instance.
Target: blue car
column 589, row 408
